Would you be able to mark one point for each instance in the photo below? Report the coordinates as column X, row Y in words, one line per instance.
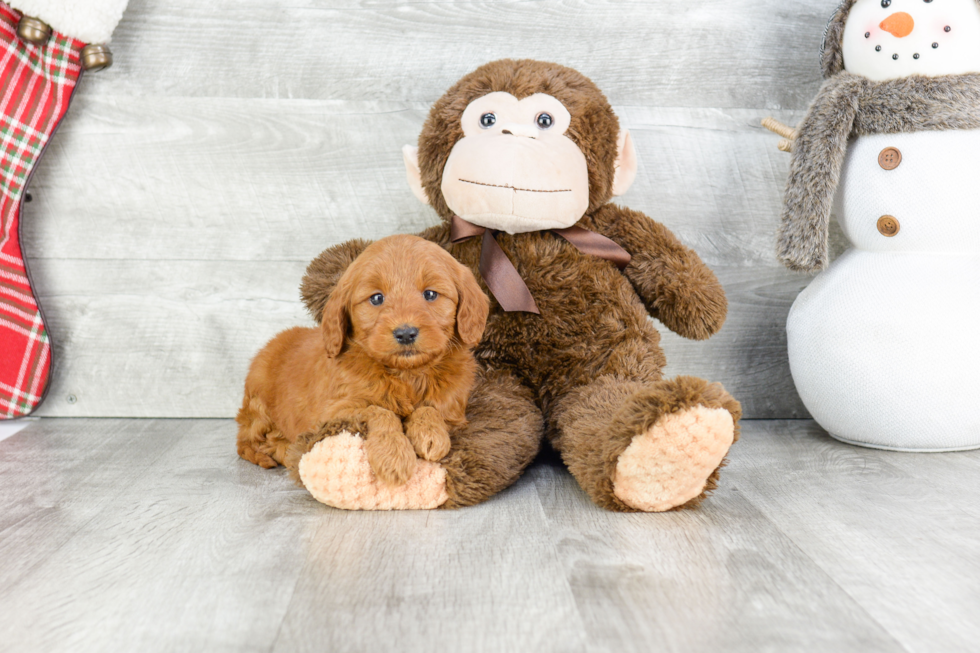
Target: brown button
column 890, row 158
column 888, row 226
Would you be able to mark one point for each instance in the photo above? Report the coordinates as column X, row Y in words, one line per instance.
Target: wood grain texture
column 713, row 53
column 178, row 204
column 175, row 338
column 158, row 300
column 171, row 338
column 722, row 578
column 233, row 179
column 152, row 535
column 895, row 531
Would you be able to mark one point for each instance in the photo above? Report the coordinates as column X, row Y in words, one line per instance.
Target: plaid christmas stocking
column 36, row 84
column 42, row 54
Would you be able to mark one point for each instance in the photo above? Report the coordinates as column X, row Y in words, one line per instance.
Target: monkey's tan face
column 515, row 169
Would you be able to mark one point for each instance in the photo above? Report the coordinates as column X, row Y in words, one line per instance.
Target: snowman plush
column 883, row 344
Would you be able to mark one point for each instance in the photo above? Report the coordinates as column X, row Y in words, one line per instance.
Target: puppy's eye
column 488, row 120
column 377, row 299
column 430, row 295
column 544, row 120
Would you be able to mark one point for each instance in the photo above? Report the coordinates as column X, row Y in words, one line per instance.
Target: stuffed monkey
column 44, row 47
column 520, row 159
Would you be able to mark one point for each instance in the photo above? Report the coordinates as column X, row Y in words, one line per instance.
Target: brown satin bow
column 502, row 277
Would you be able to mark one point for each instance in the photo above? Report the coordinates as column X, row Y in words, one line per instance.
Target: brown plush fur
column 594, row 126
column 848, row 106
column 594, row 326
column 592, row 455
column 354, row 370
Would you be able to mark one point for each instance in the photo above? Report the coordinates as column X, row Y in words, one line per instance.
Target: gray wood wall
column 233, row 140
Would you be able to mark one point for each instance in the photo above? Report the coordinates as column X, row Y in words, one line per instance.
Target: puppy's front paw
column 428, row 433
column 391, row 456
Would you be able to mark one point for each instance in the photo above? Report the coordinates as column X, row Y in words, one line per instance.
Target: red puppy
column 393, row 353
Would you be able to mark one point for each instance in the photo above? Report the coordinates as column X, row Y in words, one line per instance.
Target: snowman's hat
column 831, row 57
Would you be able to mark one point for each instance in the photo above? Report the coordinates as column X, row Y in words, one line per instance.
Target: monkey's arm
column 323, row 273
column 676, row 287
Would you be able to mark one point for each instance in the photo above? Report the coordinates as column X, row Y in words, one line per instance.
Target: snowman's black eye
column 488, row 120
column 545, row 120
column 927, row 1
column 947, row 28
column 886, row 3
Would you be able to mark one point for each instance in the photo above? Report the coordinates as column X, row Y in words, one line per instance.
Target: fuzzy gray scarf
column 847, row 106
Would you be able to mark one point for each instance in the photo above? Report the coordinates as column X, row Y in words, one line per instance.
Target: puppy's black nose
column 406, row 335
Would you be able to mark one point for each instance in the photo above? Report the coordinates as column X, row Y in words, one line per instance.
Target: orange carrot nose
column 899, row 24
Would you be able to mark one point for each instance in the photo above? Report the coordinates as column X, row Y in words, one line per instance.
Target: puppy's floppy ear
column 334, row 322
column 472, row 308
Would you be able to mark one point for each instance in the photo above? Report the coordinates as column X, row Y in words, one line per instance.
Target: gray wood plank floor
column 151, row 535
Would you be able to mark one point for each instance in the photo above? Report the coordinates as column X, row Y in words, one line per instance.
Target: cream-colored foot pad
column 669, row 465
column 337, row 473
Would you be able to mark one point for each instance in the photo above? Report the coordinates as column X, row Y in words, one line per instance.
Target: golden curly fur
column 393, row 352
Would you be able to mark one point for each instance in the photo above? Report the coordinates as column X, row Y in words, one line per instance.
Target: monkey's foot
column 336, row 472
column 670, row 463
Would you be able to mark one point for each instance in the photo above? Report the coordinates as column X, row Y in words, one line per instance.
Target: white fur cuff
column 90, row 22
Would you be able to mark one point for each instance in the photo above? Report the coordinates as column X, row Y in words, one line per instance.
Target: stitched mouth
column 526, row 190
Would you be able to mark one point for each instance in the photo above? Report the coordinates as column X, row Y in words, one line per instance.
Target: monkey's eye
column 430, row 295
column 377, row 299
column 545, row 120
column 886, row 3
column 488, row 120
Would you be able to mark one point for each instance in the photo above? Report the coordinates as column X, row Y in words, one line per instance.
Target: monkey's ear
column 625, row 163
column 412, row 171
column 333, row 323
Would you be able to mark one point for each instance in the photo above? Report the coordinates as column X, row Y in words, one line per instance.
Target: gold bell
column 96, row 56
column 33, row 30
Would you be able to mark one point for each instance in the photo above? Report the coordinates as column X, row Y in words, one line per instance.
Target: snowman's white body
column 884, row 346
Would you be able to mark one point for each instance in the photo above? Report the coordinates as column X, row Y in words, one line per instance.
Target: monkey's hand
column 323, row 273
column 676, row 287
